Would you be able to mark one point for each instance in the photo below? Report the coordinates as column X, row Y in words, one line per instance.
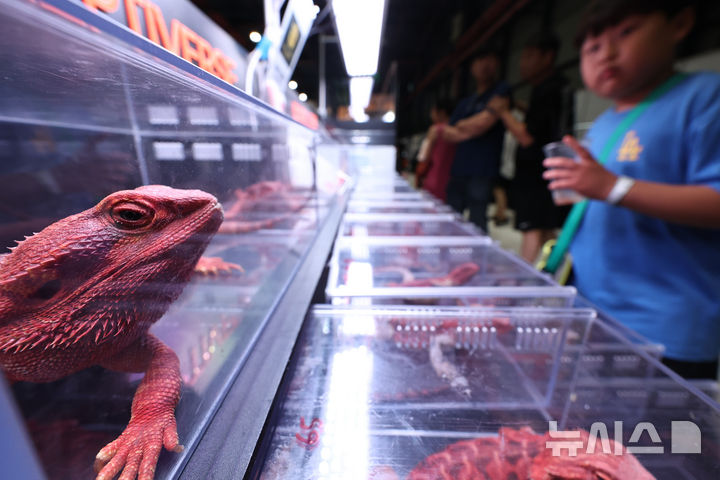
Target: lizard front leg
column 152, row 421
column 216, row 266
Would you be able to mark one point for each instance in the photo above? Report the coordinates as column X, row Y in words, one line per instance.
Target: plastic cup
column 563, row 196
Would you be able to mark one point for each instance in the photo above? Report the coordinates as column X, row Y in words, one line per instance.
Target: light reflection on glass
column 359, row 250
column 346, row 441
column 358, row 326
column 359, row 230
column 359, row 275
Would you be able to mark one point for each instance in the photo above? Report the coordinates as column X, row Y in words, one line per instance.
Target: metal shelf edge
column 227, row 446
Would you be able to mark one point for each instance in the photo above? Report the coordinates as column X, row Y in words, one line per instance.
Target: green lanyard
column 578, row 211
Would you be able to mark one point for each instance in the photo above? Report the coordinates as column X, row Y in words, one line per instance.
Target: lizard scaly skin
column 524, row 454
column 86, row 289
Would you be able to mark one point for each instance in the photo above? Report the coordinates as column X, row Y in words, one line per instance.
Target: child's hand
column 586, row 176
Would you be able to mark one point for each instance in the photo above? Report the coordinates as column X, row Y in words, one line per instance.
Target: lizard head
column 125, row 259
column 156, row 209
column 156, row 224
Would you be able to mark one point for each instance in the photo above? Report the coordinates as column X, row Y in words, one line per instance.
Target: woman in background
column 437, row 154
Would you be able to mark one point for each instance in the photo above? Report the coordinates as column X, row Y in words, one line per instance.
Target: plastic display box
column 389, row 224
column 369, row 395
column 437, row 270
column 397, row 206
column 391, row 195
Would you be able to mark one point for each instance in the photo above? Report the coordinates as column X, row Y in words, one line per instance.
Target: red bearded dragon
column 459, row 275
column 522, row 454
column 265, row 197
column 86, row 289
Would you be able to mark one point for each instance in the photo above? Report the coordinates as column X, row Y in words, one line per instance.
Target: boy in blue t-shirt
column 648, row 249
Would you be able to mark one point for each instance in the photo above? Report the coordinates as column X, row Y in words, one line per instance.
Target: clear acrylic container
column 397, row 206
column 437, row 270
column 389, row 224
column 391, row 195
column 483, row 344
column 398, row 209
column 381, row 185
column 85, row 111
column 605, row 354
column 391, row 188
column 655, row 349
column 363, row 400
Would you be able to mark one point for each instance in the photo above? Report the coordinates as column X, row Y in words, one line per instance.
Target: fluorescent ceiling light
column 360, row 91
column 358, row 114
column 359, row 25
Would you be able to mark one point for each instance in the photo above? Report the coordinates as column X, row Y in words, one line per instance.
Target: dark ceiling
column 425, row 45
column 414, row 32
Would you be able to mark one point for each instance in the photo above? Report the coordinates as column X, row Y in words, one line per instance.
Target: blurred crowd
column 488, row 147
column 642, row 236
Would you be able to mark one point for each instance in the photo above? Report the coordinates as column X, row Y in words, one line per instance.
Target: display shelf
column 383, row 188
column 365, row 195
column 329, row 422
column 213, row 328
column 440, row 270
column 231, row 435
column 76, row 125
column 52, row 16
column 231, row 134
column 89, row 109
column 446, row 358
column 606, row 355
column 399, row 209
column 388, row 224
column 397, row 206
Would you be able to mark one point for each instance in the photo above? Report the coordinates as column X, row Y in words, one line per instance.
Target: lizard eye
column 47, row 290
column 130, row 216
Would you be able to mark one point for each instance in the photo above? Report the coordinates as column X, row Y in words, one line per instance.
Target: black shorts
column 535, row 209
column 501, row 182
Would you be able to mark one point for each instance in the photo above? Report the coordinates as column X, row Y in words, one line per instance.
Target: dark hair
column 484, row 52
column 545, row 41
column 443, row 104
column 601, row 14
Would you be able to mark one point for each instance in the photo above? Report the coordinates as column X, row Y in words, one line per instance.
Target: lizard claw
column 137, row 450
column 216, row 266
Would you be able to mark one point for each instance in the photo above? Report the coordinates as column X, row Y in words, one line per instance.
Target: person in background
column 500, row 194
column 548, row 118
column 437, row 154
column 479, row 138
column 648, row 249
column 507, row 161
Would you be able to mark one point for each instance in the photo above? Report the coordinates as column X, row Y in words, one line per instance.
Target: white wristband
column 620, row 189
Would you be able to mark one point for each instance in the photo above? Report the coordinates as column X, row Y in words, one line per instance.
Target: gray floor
column 508, row 237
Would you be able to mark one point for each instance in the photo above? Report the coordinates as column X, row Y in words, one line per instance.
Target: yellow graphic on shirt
column 630, row 149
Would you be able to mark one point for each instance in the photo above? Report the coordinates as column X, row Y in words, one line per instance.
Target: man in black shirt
column 479, row 137
column 548, row 118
